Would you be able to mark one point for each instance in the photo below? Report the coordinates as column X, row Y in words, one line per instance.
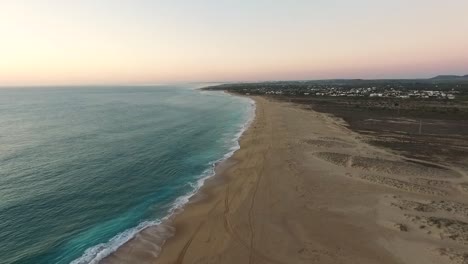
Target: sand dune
column 428, row 206
column 402, row 185
column 393, row 167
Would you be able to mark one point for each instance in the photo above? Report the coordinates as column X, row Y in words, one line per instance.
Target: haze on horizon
column 139, row 42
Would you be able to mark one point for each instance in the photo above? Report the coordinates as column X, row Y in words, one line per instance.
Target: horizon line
column 211, row 82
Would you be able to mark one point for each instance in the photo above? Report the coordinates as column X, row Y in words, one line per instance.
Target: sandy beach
column 305, row 189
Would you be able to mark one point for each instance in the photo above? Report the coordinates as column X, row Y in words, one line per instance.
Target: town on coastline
column 440, row 88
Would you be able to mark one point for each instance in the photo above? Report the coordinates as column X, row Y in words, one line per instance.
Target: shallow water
column 84, row 168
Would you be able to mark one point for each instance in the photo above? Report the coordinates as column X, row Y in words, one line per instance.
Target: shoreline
column 302, row 188
column 162, row 230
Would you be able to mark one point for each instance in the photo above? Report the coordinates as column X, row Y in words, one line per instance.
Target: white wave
column 96, row 253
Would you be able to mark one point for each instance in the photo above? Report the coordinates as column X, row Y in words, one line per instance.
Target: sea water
column 83, row 169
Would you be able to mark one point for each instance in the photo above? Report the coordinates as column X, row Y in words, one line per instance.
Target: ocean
column 83, row 169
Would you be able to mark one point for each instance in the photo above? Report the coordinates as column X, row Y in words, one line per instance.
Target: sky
column 60, row 42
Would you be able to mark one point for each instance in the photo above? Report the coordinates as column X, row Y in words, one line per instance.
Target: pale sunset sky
column 142, row 42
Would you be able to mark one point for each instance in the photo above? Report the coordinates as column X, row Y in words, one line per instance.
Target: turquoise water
column 83, row 168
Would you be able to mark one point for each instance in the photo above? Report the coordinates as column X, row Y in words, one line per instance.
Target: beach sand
column 305, row 189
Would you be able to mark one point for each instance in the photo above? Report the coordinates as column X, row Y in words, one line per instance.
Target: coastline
column 159, row 231
column 221, row 227
column 302, row 188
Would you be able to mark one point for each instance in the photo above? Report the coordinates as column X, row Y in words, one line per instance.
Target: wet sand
column 305, row 189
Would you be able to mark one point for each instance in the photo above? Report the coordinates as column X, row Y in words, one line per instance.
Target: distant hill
column 449, row 77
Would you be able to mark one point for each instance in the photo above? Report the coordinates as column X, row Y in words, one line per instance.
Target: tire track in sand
column 252, row 204
column 236, row 237
column 184, row 250
column 248, row 245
